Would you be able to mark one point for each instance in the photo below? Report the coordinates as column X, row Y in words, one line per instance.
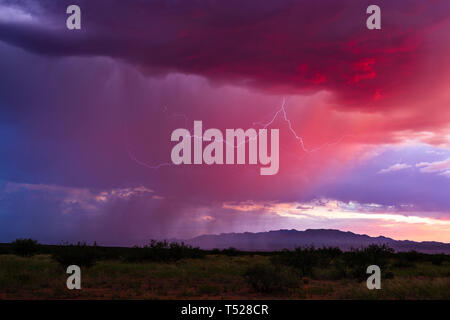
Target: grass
column 216, row 276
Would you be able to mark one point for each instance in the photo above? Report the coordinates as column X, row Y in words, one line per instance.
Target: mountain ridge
column 291, row 238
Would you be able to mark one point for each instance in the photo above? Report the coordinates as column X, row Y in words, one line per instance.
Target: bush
column 302, row 259
column 80, row 254
column 408, row 259
column 360, row 259
column 401, row 262
column 25, row 247
column 4, row 249
column 268, row 278
column 162, row 251
column 412, row 256
column 437, row 259
column 338, row 270
column 324, row 262
column 230, row 251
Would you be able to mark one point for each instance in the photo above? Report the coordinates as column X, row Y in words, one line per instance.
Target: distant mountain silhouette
column 290, row 239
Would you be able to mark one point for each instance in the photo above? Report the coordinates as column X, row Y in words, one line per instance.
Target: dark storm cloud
column 92, row 110
column 283, row 46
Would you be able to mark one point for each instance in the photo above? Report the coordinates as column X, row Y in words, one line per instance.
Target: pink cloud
column 395, row 167
column 443, row 167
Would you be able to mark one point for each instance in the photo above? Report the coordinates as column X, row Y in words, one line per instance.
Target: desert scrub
column 25, row 247
column 24, row 273
column 268, row 278
column 359, row 259
column 80, row 254
column 163, row 251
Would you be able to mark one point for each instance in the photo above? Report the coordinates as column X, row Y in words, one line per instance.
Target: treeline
column 330, row 262
column 287, row 267
column 83, row 254
column 87, row 254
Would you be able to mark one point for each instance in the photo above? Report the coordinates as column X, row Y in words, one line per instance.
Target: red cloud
column 284, row 47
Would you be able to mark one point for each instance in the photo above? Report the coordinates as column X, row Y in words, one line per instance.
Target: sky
column 86, row 118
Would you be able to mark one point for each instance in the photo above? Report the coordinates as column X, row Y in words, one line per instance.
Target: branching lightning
column 282, row 111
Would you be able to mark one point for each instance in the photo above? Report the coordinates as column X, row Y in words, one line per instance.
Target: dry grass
column 214, row 277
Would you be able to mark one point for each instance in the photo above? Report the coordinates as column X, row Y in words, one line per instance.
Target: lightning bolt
column 282, row 111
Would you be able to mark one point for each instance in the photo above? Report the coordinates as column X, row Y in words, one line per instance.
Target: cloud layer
column 86, row 116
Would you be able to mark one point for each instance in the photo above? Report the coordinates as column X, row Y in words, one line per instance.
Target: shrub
column 401, row 262
column 310, row 262
column 338, row 270
column 230, row 251
column 25, row 247
column 360, row 259
column 326, row 256
column 163, row 251
column 268, row 278
column 412, row 256
column 80, row 254
column 302, row 259
column 4, row 249
column 437, row 259
column 408, row 259
column 215, row 251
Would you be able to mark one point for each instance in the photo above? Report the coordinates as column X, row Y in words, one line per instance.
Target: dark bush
column 437, row 259
column 25, row 247
column 80, row 254
column 324, row 262
column 230, row 251
column 412, row 256
column 302, row 259
column 163, row 251
column 268, row 278
column 338, row 270
column 359, row 259
column 327, row 255
column 401, row 262
column 4, row 249
column 409, row 258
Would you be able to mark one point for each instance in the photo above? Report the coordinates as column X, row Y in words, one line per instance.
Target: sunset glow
column 86, row 119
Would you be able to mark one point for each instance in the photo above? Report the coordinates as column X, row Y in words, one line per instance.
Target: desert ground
column 222, row 275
